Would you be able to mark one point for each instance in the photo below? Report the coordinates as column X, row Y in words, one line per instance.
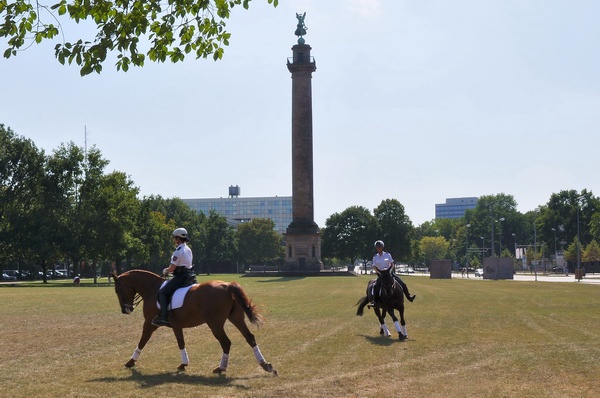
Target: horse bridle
column 389, row 287
column 136, row 297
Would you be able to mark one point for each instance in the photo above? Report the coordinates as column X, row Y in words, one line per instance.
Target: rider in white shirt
column 180, row 266
column 383, row 260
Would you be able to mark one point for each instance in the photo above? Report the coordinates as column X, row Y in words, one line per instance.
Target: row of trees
column 496, row 228
column 493, row 228
column 65, row 207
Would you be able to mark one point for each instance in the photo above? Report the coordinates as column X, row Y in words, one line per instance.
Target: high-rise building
column 238, row 210
column 455, row 207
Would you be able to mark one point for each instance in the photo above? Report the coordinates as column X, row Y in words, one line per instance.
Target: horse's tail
column 249, row 308
column 362, row 303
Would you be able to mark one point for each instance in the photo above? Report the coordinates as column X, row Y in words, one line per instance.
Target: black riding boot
column 163, row 319
column 405, row 289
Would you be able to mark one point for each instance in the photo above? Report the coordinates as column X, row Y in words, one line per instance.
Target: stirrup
column 161, row 322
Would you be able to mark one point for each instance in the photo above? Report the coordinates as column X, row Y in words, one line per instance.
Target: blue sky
column 413, row 100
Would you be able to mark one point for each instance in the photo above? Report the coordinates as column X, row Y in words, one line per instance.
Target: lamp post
column 482, row 249
column 578, row 240
column 500, row 231
column 467, row 249
column 537, row 209
column 515, row 239
column 555, row 252
column 493, row 240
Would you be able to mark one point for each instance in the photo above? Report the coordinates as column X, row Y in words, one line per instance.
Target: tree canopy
column 65, row 208
column 258, row 242
column 350, row 234
column 135, row 30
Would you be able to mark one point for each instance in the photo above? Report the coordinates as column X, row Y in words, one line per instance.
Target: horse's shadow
column 157, row 379
column 381, row 340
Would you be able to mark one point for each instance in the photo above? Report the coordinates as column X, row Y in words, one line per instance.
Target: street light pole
column 537, row 209
column 515, row 238
column 555, row 252
column 578, row 241
column 467, row 250
column 482, row 249
column 500, row 220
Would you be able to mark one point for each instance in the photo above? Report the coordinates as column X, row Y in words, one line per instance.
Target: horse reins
column 137, row 299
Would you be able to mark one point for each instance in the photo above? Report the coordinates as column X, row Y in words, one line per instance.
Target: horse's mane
column 140, row 271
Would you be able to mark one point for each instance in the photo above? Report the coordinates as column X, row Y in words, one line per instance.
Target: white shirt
column 182, row 256
column 382, row 261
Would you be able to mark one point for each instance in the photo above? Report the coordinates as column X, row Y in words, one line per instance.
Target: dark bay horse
column 211, row 302
column 391, row 298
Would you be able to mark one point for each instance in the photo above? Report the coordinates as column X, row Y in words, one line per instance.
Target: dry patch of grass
column 467, row 338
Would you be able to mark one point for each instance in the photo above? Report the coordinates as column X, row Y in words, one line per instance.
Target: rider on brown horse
column 181, row 266
column 381, row 261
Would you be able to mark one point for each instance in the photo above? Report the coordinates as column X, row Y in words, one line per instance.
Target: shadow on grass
column 54, row 284
column 283, row 279
column 382, row 341
column 158, row 379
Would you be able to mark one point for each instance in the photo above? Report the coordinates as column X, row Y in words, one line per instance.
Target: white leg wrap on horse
column 403, row 330
column 136, row 354
column 397, row 325
column 184, row 357
column 224, row 361
column 257, row 354
column 385, row 330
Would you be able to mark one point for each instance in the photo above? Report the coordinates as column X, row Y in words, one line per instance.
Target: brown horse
column 211, row 302
column 391, row 298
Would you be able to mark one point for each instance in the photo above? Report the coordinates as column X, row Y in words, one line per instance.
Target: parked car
column 405, row 269
column 10, row 275
column 59, row 273
column 479, row 272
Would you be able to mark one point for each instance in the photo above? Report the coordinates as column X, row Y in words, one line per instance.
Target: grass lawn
column 467, row 338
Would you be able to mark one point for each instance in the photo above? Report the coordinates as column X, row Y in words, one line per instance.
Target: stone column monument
column 302, row 238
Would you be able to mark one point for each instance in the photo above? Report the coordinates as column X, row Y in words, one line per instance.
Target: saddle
column 179, row 295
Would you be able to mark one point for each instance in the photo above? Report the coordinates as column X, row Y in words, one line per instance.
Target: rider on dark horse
column 383, row 260
column 181, row 266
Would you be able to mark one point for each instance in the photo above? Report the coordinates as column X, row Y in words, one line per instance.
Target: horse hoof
column 267, row 366
column 401, row 337
column 218, row 370
column 181, row 367
column 130, row 363
column 381, row 332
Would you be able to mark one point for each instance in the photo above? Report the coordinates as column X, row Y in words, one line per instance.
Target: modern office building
column 454, row 207
column 238, row 210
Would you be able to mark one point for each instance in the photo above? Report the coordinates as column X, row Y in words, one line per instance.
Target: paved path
column 591, row 278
